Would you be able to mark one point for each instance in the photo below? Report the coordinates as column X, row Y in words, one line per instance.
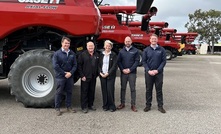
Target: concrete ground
column 192, row 98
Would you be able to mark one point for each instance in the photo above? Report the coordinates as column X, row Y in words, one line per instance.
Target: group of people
column 91, row 64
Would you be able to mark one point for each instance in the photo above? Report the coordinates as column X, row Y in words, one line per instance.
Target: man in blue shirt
column 154, row 60
column 128, row 60
column 65, row 64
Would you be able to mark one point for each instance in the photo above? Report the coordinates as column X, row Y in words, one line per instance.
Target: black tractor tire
column 169, row 55
column 31, row 79
column 174, row 55
column 180, row 54
column 189, row 52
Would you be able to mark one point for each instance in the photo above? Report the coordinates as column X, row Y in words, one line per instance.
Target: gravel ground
column 192, row 98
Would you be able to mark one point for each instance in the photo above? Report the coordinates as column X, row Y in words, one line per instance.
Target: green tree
column 207, row 24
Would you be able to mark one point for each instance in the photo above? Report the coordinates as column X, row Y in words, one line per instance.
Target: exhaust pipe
column 146, row 19
column 143, row 6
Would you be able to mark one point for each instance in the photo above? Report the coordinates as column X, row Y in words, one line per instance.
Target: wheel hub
column 42, row 79
column 37, row 81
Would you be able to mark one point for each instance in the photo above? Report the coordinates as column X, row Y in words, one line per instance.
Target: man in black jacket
column 128, row 60
column 154, row 60
column 65, row 64
column 88, row 71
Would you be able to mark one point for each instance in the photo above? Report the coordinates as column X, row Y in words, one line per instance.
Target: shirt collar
column 107, row 53
column 62, row 49
column 128, row 48
column 154, row 46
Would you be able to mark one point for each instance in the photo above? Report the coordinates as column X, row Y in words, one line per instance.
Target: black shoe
column 85, row 110
column 146, row 109
column 161, row 110
column 92, row 108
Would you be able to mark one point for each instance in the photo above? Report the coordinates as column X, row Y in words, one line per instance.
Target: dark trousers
column 156, row 80
column 63, row 85
column 108, row 88
column 87, row 92
column 132, row 83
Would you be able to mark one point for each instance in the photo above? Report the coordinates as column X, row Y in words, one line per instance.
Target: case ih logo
column 108, row 27
column 137, row 35
column 40, row 1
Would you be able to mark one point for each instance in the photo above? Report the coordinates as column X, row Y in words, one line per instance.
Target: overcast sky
column 175, row 12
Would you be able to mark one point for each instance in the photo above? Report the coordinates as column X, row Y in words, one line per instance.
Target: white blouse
column 106, row 59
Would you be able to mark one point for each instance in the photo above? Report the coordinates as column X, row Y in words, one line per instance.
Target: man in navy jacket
column 65, row 64
column 154, row 60
column 128, row 60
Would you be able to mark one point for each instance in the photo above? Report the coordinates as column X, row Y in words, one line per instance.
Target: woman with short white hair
column 107, row 71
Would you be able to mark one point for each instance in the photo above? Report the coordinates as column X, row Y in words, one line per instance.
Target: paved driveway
column 192, row 97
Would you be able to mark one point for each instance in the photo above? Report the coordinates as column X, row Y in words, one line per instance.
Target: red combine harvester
column 114, row 28
column 142, row 38
column 186, row 39
column 31, row 30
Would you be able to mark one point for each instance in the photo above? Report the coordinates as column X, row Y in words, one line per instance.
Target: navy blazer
column 63, row 63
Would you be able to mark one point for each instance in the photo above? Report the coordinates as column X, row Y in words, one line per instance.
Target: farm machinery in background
column 30, row 33
column 32, row 30
column 118, row 22
column 186, row 40
column 164, row 36
column 115, row 25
